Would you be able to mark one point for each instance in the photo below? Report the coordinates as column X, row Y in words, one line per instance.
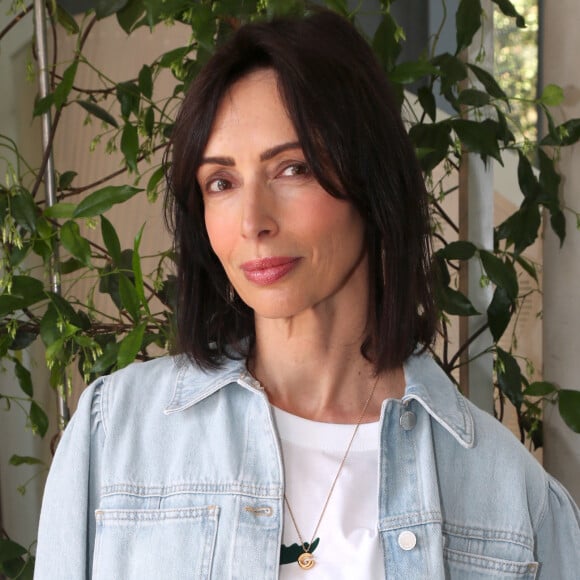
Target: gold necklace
column 306, row 559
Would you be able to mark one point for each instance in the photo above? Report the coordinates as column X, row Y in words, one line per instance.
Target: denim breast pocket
column 173, row 544
column 474, row 554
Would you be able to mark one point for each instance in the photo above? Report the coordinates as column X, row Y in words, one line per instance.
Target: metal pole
column 49, row 175
column 476, row 203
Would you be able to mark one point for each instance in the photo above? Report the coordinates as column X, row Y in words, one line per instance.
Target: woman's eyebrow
column 265, row 156
column 228, row 161
column 270, row 153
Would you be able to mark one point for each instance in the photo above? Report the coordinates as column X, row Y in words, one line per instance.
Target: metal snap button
column 408, row 420
column 407, row 540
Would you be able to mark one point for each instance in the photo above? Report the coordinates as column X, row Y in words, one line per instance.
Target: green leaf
column 509, row 377
column 503, row 131
column 558, row 223
column 502, row 274
column 111, row 240
column 107, row 360
column 23, row 339
column 411, row 71
column 488, row 82
column 105, row 8
column 467, row 22
column 9, row 304
column 526, row 178
column 128, row 17
column 569, row 407
column 60, row 210
column 552, row 96
column 153, row 183
column 66, row 20
column 452, row 70
column 509, row 10
column 30, row 289
column 27, row 573
column 434, row 139
column 473, row 98
column 109, row 277
column 104, row 199
column 540, row 389
column 24, row 377
column 478, row 138
column 43, row 105
column 10, row 550
column 549, row 181
column 386, row 42
column 38, row 419
column 128, row 96
column 63, row 90
column 137, row 272
column 129, row 298
column 149, row 121
column 567, row 133
column 65, row 180
column 24, row 209
column 130, row 145
column 99, row 112
column 25, row 292
column 25, row 460
column 130, row 346
column 145, row 81
column 454, row 302
column 71, row 239
column 457, row 251
column 528, row 267
column 70, row 265
column 499, row 313
column 427, row 101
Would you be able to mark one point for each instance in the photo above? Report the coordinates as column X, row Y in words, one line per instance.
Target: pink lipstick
column 265, row 271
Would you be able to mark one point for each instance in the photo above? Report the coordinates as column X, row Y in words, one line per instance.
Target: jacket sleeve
column 558, row 536
column 67, row 527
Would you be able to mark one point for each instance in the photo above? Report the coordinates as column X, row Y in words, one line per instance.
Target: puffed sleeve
column 558, row 537
column 67, row 526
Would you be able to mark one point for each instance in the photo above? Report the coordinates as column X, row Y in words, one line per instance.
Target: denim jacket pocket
column 474, row 554
column 174, row 544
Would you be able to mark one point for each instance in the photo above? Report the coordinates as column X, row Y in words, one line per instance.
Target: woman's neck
column 312, row 366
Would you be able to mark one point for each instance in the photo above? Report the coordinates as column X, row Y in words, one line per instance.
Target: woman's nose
column 258, row 212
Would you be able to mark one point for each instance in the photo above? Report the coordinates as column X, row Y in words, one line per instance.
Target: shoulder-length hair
column 350, row 129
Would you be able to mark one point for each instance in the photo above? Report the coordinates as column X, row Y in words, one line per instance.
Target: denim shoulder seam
column 544, row 507
column 101, row 398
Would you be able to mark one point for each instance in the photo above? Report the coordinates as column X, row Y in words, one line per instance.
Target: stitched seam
column 488, row 535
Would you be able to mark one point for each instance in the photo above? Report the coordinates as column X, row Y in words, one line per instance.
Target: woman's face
column 286, row 244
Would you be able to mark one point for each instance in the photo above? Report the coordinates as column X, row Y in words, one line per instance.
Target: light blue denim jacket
column 169, row 473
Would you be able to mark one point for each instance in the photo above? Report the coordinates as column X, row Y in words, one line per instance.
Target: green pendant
column 290, row 554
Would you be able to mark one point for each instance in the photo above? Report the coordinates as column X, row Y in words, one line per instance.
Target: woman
column 302, row 430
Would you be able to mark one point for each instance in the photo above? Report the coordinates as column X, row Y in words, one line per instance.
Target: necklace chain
column 308, row 562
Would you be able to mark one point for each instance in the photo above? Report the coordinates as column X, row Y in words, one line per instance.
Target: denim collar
column 425, row 382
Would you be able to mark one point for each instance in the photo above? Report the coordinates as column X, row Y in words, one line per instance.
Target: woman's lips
column 266, row 271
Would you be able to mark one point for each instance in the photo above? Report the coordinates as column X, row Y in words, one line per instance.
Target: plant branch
column 466, row 344
column 77, row 190
column 445, row 216
column 15, row 21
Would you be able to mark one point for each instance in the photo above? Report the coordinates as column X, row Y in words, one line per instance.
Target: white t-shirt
column 349, row 544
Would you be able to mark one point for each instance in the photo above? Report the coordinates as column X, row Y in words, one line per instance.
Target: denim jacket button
column 407, row 540
column 408, row 420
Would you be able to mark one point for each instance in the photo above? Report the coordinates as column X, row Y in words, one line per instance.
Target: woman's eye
column 217, row 185
column 296, row 169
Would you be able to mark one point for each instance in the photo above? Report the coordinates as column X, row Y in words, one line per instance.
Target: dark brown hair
column 350, row 129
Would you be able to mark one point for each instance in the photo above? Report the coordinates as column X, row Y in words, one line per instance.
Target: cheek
column 218, row 234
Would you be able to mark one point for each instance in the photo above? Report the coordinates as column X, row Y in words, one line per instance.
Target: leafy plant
column 137, row 123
